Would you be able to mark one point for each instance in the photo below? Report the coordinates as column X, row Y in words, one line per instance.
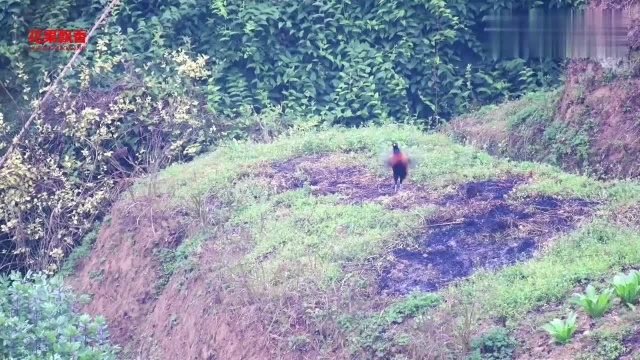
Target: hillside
column 298, row 249
column 590, row 125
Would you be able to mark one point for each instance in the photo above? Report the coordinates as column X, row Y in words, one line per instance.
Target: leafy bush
column 37, row 321
column 99, row 129
column 627, row 287
column 496, row 344
column 594, row 304
column 352, row 62
column 562, row 331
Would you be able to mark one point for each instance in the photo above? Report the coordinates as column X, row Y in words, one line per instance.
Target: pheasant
column 399, row 163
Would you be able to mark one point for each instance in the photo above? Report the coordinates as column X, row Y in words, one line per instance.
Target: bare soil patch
column 329, row 174
column 180, row 322
column 120, row 272
column 479, row 228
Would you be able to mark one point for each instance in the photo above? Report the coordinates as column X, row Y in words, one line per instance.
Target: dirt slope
column 122, row 274
column 591, row 126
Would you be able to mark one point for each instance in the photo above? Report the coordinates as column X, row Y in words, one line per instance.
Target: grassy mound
column 299, row 249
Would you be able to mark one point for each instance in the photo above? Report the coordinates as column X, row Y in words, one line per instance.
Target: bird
column 399, row 163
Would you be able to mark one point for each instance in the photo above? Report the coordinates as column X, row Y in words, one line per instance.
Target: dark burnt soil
column 477, row 226
column 329, row 174
column 632, row 345
column 479, row 229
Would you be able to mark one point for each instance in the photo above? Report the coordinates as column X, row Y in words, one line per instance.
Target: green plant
column 562, row 331
column 627, row 287
column 37, row 321
column 370, row 333
column 496, row 344
column 610, row 346
column 594, row 304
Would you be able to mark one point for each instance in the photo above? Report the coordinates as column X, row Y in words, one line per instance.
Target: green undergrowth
column 587, row 254
column 174, row 260
column 371, row 331
column 318, row 234
column 531, row 131
column 328, row 252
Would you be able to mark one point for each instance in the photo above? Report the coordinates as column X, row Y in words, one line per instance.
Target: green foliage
column 594, row 304
column 627, row 287
column 609, row 346
column 67, row 169
column 561, row 331
column 496, row 344
column 80, row 252
column 37, row 321
column 371, row 333
column 413, row 305
column 174, row 260
column 349, row 62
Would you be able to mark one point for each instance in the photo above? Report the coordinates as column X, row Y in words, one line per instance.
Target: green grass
column 319, row 250
column 532, row 131
column 80, row 252
column 596, row 250
column 296, row 226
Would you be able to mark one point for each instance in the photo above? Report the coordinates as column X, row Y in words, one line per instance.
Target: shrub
column 96, row 130
column 493, row 345
column 37, row 321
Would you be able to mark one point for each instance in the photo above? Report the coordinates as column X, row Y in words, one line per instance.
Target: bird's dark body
column 399, row 171
column 399, row 163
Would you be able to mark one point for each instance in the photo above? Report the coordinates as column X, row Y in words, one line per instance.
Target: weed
column 465, row 325
column 580, row 94
column 609, row 76
column 627, row 287
column 96, row 275
column 413, row 305
column 173, row 260
column 608, row 346
column 80, row 252
column 370, row 334
column 496, row 344
column 299, row 343
column 561, row 331
column 594, row 304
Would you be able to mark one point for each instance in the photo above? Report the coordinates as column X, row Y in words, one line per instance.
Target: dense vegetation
column 38, row 321
column 348, row 61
